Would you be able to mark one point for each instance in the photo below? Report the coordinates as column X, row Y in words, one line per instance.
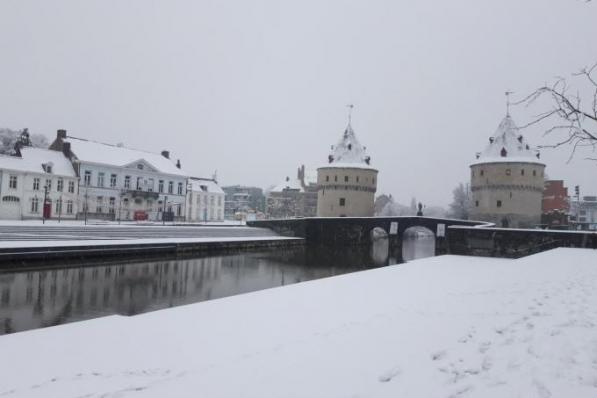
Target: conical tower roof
column 349, row 152
column 508, row 145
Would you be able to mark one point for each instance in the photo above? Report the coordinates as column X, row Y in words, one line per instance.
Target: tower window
column 482, row 173
column 345, row 178
column 476, row 203
column 342, row 202
column 522, row 172
column 534, row 173
column 504, row 153
column 357, row 178
column 327, row 178
column 336, row 178
column 499, row 203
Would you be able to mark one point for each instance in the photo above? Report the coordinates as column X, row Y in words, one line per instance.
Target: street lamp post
column 59, row 208
column 86, row 205
column 164, row 209
column 43, row 209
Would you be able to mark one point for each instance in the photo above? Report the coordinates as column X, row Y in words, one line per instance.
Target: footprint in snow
column 438, row 355
column 389, row 375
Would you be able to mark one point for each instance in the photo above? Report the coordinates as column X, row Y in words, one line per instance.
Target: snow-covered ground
column 439, row 327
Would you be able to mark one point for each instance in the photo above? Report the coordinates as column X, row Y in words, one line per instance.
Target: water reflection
column 41, row 298
column 418, row 242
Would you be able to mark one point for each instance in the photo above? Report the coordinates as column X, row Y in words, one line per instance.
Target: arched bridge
column 337, row 231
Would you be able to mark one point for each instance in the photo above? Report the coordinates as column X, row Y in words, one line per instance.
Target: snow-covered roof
column 32, row 161
column 349, row 152
column 205, row 185
column 288, row 184
column 508, row 145
column 117, row 155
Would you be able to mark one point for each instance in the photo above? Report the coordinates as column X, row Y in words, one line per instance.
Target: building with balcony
column 116, row 182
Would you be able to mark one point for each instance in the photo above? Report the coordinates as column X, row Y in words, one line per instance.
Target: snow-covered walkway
column 439, row 327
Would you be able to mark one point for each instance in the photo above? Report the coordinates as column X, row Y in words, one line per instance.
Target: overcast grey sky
column 256, row 88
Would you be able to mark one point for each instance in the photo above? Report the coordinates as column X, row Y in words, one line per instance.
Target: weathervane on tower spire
column 508, row 93
column 350, row 106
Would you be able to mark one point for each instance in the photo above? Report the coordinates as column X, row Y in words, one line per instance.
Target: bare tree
column 460, row 207
column 570, row 115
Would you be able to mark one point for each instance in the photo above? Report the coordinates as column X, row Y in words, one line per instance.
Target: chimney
column 66, row 149
column 61, row 134
column 178, row 163
column 166, row 154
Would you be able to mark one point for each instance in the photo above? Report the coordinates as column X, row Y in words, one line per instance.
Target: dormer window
column 140, row 166
column 504, row 153
column 47, row 167
column 349, row 147
column 520, row 139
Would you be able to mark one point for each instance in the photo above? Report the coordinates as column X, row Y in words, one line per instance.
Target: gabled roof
column 117, row 155
column 205, row 185
column 508, row 145
column 32, row 161
column 288, row 184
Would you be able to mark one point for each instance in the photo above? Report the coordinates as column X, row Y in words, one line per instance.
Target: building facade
column 116, row 182
column 583, row 213
column 242, row 201
column 507, row 180
column 556, row 205
column 294, row 197
column 205, row 200
column 37, row 183
column 346, row 186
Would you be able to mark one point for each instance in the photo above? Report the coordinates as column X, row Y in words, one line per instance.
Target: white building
column 117, row 182
column 347, row 184
column 35, row 175
column 205, row 200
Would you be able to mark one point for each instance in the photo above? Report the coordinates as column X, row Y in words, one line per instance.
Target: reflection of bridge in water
column 342, row 231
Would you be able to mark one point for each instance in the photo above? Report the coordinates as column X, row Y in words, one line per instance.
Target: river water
column 39, row 298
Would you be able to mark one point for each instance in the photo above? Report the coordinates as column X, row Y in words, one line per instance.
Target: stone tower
column 507, row 180
column 346, row 185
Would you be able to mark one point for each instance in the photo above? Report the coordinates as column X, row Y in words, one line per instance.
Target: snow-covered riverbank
column 439, row 327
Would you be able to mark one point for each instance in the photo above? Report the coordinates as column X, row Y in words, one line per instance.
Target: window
column 161, row 186
column 180, row 188
column 150, row 185
column 100, row 179
column 357, row 178
column 87, row 179
column 112, row 180
column 60, row 185
column 219, row 201
column 150, row 205
column 345, row 178
column 127, row 181
column 48, row 168
column 139, row 183
column 36, row 184
column 170, row 187
column 335, row 178
column 476, row 203
column 508, row 172
column 482, row 173
column 112, row 204
column 69, row 207
column 49, row 185
column 499, row 203
column 125, row 202
column 342, row 201
column 140, row 166
column 373, row 180
column 99, row 204
column 534, row 173
column 12, row 182
column 71, row 186
column 59, row 206
column 327, row 178
column 521, row 172
column 34, row 205
column 212, row 200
